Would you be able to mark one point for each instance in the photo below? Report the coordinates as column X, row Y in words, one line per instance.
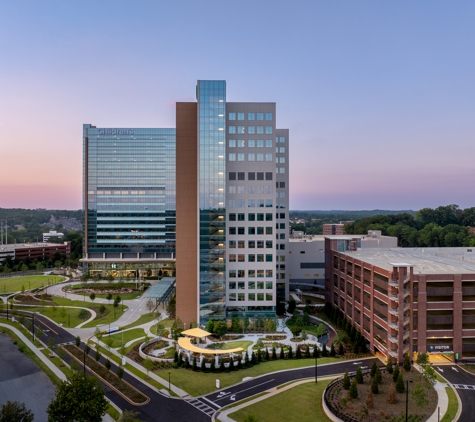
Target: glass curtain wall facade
column 211, row 96
column 129, row 193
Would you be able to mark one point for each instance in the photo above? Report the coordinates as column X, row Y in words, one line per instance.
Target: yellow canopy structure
column 185, row 343
column 196, row 332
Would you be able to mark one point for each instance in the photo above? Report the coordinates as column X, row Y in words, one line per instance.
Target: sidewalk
column 178, row 391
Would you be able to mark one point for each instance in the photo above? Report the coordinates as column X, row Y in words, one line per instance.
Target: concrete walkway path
column 178, row 391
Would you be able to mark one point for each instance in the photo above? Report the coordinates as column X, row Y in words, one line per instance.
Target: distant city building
column 52, row 233
column 31, row 251
column 334, row 228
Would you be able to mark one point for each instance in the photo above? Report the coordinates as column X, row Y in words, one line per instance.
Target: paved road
column 160, row 407
column 465, row 385
column 257, row 385
column 21, row 380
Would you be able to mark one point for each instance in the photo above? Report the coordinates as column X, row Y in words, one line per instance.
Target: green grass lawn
column 127, row 335
column 59, row 317
column 236, row 344
column 304, row 400
column 69, row 317
column 198, row 383
column 144, row 319
column 107, row 318
column 453, row 406
column 167, row 323
column 15, row 284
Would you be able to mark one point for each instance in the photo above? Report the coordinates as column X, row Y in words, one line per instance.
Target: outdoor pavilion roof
column 196, row 332
column 185, row 343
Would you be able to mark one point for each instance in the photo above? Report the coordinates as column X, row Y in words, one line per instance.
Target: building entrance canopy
column 163, row 290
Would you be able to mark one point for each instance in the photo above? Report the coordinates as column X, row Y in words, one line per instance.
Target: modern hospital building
column 206, row 202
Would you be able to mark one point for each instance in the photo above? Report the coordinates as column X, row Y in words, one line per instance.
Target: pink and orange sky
column 379, row 97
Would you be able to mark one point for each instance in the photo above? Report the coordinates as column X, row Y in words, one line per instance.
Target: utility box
column 217, row 384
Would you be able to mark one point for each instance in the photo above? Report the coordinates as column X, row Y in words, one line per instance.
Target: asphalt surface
column 257, row 385
column 21, row 380
column 163, row 408
column 160, row 407
column 465, row 386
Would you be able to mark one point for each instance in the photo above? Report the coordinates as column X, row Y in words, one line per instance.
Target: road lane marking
column 242, row 391
column 48, row 327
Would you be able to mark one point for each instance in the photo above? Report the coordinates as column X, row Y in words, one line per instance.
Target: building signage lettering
column 116, row 131
column 439, row 348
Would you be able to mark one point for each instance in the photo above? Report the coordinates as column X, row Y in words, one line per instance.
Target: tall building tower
column 129, row 200
column 232, row 207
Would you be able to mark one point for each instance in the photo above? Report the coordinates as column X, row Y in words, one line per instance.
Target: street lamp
column 316, row 368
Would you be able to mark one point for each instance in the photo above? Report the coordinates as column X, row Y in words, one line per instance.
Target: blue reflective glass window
column 251, row 143
column 269, row 130
column 268, row 116
column 241, row 143
column 232, row 116
column 240, row 129
column 251, row 116
column 251, row 156
column 260, row 129
column 268, row 143
column 232, row 143
column 260, row 143
column 240, row 116
column 231, row 129
column 251, row 130
column 268, row 157
column 260, row 116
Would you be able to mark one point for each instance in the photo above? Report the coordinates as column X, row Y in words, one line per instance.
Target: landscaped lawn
column 15, row 284
column 236, row 344
column 69, row 317
column 127, row 335
column 453, row 406
column 167, row 323
column 144, row 319
column 61, row 318
column 198, row 383
column 302, row 403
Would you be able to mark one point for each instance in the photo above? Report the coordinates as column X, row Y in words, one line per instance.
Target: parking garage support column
column 457, row 315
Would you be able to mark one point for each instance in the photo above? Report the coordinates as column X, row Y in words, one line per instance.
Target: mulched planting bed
column 127, row 390
column 35, row 299
column 135, row 356
column 352, row 410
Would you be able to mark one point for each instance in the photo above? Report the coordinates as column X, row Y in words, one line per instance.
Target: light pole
column 316, row 369
column 169, row 381
column 84, row 360
column 33, row 327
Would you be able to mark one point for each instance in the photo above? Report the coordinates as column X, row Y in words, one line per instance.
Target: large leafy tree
column 15, row 412
column 78, row 399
